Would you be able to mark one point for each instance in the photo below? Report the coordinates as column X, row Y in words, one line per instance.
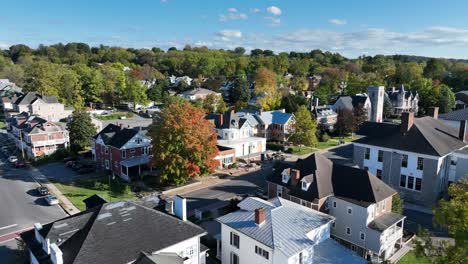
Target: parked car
column 51, row 199
column 42, row 190
column 12, row 159
column 20, row 164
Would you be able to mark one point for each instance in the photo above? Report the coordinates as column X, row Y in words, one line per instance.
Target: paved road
column 237, row 186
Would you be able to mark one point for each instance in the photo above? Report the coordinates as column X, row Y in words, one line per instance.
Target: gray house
column 359, row 201
column 414, row 157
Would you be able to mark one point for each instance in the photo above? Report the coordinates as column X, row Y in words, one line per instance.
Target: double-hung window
column 404, row 161
column 420, row 165
column 234, row 240
column 367, row 153
column 403, row 180
column 380, row 156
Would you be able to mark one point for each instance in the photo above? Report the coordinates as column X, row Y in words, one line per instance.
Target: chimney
column 462, row 135
column 434, row 112
column 38, row 236
column 180, row 207
column 295, row 176
column 259, row 216
column 56, row 254
column 393, row 89
column 220, row 119
column 169, row 207
column 407, row 120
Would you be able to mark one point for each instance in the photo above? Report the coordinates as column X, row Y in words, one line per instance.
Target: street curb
column 181, row 187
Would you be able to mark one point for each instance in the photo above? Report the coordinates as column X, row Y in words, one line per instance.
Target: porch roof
column 140, row 160
column 385, row 221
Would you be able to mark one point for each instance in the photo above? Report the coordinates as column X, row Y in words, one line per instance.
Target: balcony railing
column 49, row 142
column 390, row 238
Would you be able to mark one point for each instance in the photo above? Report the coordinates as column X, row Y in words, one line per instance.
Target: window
column 234, row 240
column 234, row 258
column 404, row 161
column 350, row 210
column 138, row 140
column 420, row 165
column 366, row 168
column 348, row 231
column 285, row 178
column 453, row 161
column 380, row 156
column 304, row 203
column 353, row 247
column 410, row 182
column 417, row 187
column 107, row 150
column 362, row 236
column 383, row 205
column 367, row 154
column 146, row 151
column 334, row 204
column 124, row 154
column 379, row 174
column 333, row 224
column 304, row 186
column 403, row 180
column 132, row 150
column 260, row 251
column 107, row 164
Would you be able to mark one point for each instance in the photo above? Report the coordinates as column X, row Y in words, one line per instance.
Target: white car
column 12, row 159
column 51, row 200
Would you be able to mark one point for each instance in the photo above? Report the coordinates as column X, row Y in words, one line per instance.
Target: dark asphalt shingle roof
column 427, row 136
column 457, row 115
column 116, row 136
column 31, row 97
column 115, row 233
column 462, row 96
column 326, row 178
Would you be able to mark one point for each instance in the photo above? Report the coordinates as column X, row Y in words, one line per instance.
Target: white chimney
column 170, row 207
column 56, row 254
column 180, row 207
column 37, row 235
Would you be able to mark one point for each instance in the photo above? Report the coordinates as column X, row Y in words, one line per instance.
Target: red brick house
column 122, row 151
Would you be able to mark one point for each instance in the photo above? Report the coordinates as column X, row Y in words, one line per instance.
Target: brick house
column 122, row 151
column 37, row 136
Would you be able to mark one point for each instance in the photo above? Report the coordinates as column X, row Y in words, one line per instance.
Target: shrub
column 274, row 146
column 289, row 150
column 129, row 114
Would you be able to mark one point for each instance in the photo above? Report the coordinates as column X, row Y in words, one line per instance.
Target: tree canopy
column 81, row 130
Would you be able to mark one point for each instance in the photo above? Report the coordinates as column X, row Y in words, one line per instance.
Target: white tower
column 376, row 96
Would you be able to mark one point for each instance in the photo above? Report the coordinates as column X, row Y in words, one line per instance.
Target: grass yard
column 328, row 144
column 115, row 115
column 78, row 191
column 411, row 258
column 302, row 150
column 345, row 139
column 2, row 125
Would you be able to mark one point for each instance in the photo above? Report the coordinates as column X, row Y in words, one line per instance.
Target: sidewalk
column 204, row 182
column 66, row 205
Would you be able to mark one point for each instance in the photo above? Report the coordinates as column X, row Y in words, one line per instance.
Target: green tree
column 345, row 123
column 81, row 130
column 43, row 77
column 240, row 90
column 304, row 128
column 134, row 92
column 70, row 89
column 451, row 214
column 186, row 142
column 446, row 99
column 397, row 204
column 214, row 104
column 158, row 91
column 387, row 107
column 291, row 103
column 434, row 69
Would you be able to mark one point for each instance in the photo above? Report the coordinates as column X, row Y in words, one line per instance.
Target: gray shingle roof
column 116, row 136
column 457, row 115
column 384, row 221
column 427, row 136
column 115, row 233
column 31, row 97
column 286, row 223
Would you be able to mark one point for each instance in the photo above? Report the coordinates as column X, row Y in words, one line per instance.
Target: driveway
column 341, row 155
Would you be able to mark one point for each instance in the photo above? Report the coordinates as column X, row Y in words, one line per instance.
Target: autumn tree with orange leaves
column 184, row 142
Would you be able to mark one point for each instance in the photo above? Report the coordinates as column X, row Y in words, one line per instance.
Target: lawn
column 411, row 258
column 115, row 115
column 345, row 139
column 2, row 125
column 302, row 150
column 78, row 191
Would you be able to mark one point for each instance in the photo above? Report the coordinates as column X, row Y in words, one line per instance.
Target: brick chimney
column 407, row 120
column 295, row 176
column 220, row 119
column 462, row 135
column 259, row 216
column 434, row 112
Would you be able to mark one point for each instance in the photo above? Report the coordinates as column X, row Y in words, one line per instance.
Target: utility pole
column 21, row 144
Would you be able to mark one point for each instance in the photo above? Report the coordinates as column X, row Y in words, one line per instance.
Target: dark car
column 42, row 190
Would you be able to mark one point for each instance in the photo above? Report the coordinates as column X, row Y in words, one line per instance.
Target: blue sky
column 353, row 28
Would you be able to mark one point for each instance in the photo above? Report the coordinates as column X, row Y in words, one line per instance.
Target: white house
column 279, row 231
column 237, row 133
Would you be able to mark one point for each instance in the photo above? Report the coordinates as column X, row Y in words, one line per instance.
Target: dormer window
column 285, row 178
column 305, row 186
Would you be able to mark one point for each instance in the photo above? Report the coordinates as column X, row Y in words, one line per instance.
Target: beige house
column 47, row 107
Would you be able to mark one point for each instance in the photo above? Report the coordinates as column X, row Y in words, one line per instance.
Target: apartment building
column 47, row 107
column 37, row 136
column 359, row 202
column 414, row 157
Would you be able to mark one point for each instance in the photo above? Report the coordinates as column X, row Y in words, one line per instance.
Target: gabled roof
column 427, row 136
column 286, row 223
column 326, row 178
column 457, row 115
column 116, row 136
column 462, row 96
column 351, row 101
column 114, row 233
column 275, row 117
column 31, row 97
column 198, row 91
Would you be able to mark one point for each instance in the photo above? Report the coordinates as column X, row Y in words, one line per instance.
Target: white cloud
column 336, row 21
column 228, row 34
column 255, row 10
column 4, row 45
column 274, row 10
column 233, row 14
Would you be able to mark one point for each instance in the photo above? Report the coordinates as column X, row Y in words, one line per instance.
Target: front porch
column 131, row 169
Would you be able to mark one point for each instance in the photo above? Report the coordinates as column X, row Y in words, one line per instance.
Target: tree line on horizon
column 79, row 74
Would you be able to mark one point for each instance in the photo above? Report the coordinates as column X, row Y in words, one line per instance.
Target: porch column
column 127, row 171
column 139, row 170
